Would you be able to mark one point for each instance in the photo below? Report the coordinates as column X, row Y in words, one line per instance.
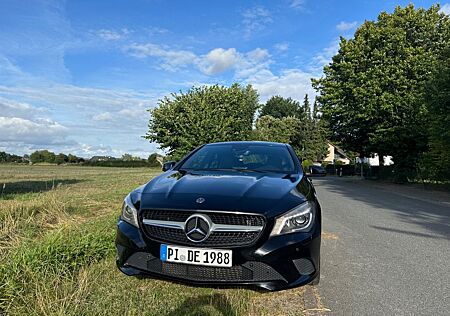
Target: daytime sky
column 79, row 76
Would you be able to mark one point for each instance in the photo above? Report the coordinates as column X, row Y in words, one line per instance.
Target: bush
column 306, row 164
column 153, row 160
column 203, row 115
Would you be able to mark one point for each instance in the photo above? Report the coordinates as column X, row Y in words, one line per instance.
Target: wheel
column 316, row 280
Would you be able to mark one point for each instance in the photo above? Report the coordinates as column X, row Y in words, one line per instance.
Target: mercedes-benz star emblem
column 200, row 200
column 197, row 227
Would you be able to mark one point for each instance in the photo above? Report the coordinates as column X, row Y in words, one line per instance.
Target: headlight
column 299, row 218
column 129, row 212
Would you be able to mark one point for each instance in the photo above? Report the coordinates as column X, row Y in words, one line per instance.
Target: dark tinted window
column 242, row 157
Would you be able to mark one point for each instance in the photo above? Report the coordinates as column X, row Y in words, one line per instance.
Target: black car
column 232, row 213
column 317, row 171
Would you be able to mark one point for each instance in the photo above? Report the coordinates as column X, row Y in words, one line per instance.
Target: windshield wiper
column 233, row 169
column 224, row 169
column 211, row 169
column 248, row 170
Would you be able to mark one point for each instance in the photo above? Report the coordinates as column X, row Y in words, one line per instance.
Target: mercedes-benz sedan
column 231, row 213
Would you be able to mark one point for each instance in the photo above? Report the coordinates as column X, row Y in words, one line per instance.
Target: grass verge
column 57, row 252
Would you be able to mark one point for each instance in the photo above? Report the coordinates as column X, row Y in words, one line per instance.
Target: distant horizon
column 84, row 157
column 78, row 77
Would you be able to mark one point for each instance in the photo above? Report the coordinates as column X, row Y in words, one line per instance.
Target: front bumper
column 275, row 263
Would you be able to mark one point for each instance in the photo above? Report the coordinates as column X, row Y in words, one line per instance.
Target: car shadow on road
column 413, row 209
column 11, row 189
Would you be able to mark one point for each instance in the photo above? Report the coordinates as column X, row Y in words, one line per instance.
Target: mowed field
column 57, row 230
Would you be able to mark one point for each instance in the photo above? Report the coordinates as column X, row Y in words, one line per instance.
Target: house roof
column 339, row 150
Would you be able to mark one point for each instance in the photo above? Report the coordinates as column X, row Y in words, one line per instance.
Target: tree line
column 216, row 113
column 5, row 157
column 46, row 156
column 387, row 91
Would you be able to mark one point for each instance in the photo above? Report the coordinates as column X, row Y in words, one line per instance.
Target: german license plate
column 197, row 256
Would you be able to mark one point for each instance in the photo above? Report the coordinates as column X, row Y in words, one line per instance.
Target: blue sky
column 78, row 76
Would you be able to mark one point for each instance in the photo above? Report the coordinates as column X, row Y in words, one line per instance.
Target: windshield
column 247, row 157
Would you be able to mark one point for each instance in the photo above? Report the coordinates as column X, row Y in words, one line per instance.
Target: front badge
column 200, row 200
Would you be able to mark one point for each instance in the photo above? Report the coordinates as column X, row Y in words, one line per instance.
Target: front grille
column 251, row 271
column 216, row 217
column 215, row 239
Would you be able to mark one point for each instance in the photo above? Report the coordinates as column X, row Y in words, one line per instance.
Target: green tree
column 281, row 112
column 306, row 134
column 437, row 97
column 42, row 156
column 202, row 115
column 370, row 93
column 5, row 157
column 314, row 146
column 306, row 106
column 129, row 157
column 72, row 158
column 281, row 130
column 61, row 158
column 279, row 107
column 154, row 160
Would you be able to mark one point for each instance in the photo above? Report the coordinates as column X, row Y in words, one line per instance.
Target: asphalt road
column 385, row 249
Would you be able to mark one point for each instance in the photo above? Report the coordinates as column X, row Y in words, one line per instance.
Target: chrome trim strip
column 165, row 224
column 214, row 227
column 235, row 228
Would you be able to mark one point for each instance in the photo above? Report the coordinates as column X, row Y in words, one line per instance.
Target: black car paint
column 268, row 194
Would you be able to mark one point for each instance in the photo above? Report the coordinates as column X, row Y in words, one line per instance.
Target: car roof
column 258, row 143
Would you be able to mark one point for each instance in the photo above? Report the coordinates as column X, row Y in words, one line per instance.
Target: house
column 336, row 154
column 375, row 160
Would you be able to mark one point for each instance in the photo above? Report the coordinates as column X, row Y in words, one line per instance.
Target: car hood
column 263, row 193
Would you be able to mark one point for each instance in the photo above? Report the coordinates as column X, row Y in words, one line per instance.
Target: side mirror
column 168, row 165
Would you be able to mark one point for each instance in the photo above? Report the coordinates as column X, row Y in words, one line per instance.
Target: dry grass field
column 57, row 227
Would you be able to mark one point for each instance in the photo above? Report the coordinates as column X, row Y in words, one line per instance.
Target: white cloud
column 257, row 55
column 219, row 60
column 79, row 97
column 252, row 62
column 112, row 35
column 105, row 116
column 137, row 111
column 445, row 8
column 293, row 83
column 297, row 4
column 155, row 30
column 72, row 109
column 216, row 61
column 324, row 57
column 346, row 26
column 133, row 113
column 172, row 59
column 282, row 47
column 255, row 20
column 39, row 131
column 86, row 150
column 12, row 108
